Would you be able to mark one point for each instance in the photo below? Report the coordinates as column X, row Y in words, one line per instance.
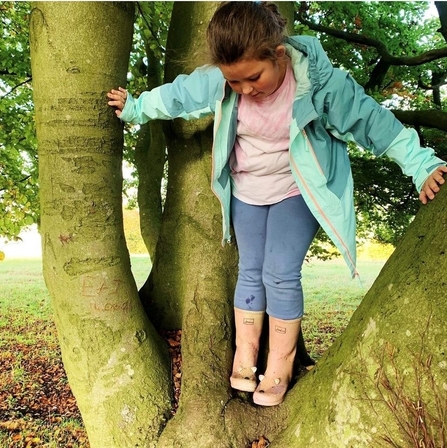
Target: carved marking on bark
column 66, row 188
column 65, row 239
column 82, row 165
column 141, row 336
column 101, row 187
column 92, row 286
column 112, row 307
column 49, row 244
column 68, row 213
column 92, row 145
column 77, row 266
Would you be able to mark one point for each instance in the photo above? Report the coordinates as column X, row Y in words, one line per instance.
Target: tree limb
column 377, row 75
column 16, row 87
column 19, row 181
column 434, row 119
column 153, row 34
column 381, row 48
column 442, row 11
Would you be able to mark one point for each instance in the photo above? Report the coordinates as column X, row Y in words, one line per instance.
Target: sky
column 28, row 248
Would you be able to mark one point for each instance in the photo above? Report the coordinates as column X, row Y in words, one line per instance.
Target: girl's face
column 254, row 78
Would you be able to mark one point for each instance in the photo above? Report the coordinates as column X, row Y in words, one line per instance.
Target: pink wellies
column 248, row 332
column 283, row 337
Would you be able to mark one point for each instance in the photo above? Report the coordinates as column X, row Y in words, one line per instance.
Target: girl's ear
column 280, row 51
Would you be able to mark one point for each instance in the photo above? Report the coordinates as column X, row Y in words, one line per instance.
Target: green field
column 37, row 408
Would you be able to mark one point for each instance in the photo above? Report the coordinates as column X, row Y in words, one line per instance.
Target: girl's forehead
column 244, row 69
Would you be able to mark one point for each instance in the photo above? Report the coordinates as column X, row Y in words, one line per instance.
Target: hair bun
column 282, row 21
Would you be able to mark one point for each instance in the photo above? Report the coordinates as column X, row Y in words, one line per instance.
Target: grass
column 36, row 405
column 331, row 297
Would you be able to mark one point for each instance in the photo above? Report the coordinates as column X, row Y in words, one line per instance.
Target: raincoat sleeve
column 354, row 116
column 188, row 96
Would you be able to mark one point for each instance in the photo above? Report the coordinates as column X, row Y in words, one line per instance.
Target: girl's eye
column 255, row 78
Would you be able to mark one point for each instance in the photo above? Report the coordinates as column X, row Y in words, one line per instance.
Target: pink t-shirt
column 260, row 168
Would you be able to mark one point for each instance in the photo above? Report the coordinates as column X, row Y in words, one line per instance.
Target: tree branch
column 434, row 119
column 16, row 87
column 154, row 36
column 20, row 181
column 377, row 75
column 381, row 48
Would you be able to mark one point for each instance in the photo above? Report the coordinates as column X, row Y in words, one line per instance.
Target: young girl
column 283, row 116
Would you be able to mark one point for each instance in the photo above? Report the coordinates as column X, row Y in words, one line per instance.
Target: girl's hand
column 432, row 183
column 118, row 98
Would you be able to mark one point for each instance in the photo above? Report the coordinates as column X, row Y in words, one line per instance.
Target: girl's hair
column 245, row 30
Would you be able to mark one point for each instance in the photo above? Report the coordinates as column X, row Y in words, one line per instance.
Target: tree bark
column 150, row 161
column 193, row 276
column 384, row 382
column 116, row 364
column 435, row 119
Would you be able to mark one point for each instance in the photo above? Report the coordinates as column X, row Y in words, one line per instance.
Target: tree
column 105, row 337
column 18, row 157
column 388, row 367
column 149, row 155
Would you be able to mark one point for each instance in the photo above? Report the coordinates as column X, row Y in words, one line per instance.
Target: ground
column 37, row 408
column 36, row 403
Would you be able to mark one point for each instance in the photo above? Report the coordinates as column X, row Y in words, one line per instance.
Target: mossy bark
column 193, row 276
column 384, row 381
column 116, row 364
column 189, row 246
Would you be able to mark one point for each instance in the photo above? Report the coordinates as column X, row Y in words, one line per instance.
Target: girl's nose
column 246, row 89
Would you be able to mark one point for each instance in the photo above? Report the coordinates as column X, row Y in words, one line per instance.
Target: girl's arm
column 118, row 99
column 355, row 116
column 188, row 96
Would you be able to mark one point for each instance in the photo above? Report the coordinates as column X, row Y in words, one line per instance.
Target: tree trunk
column 384, row 381
column 116, row 364
column 150, row 161
column 193, row 276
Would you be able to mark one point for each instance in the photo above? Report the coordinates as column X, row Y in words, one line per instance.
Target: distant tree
column 18, row 153
column 146, row 149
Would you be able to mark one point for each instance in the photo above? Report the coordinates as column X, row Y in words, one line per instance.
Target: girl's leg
column 291, row 227
column 249, row 223
column 290, row 230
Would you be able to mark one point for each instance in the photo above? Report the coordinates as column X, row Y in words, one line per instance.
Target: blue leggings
column 272, row 241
